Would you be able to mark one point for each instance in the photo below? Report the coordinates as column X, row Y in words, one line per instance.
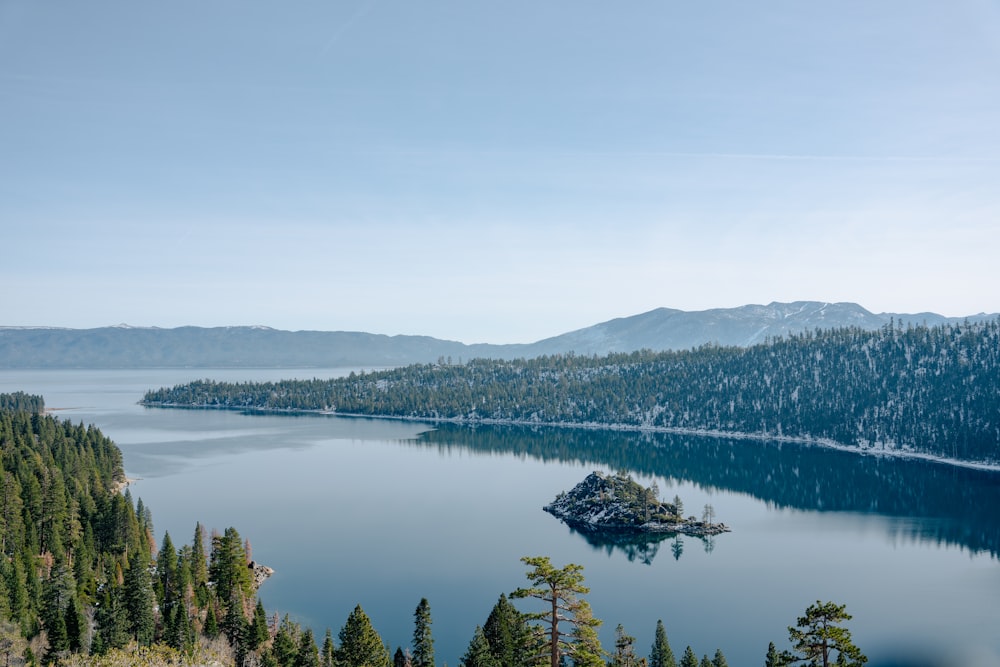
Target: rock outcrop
column 260, row 573
column 618, row 504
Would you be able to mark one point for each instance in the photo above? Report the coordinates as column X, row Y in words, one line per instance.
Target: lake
column 382, row 513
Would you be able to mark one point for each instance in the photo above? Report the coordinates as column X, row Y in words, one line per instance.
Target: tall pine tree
column 423, row 642
column 661, row 654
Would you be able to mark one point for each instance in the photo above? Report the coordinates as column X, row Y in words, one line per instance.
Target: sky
column 493, row 172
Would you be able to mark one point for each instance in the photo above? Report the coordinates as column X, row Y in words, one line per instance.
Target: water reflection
column 940, row 503
column 640, row 548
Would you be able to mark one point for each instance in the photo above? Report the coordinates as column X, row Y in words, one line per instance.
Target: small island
column 618, row 504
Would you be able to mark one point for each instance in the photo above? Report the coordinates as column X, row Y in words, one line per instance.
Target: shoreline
column 880, row 451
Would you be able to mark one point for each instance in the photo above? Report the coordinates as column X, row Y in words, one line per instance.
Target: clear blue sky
column 493, row 172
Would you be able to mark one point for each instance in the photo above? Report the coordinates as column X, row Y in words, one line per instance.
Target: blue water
column 383, row 513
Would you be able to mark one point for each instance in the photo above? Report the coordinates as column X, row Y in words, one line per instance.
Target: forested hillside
column 933, row 390
column 80, row 573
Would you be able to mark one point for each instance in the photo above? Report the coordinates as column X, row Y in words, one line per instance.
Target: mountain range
column 262, row 347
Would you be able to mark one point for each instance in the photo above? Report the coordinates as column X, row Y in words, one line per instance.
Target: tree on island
column 818, row 638
column 559, row 588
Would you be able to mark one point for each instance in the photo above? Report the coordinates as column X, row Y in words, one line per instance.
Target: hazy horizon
column 493, row 174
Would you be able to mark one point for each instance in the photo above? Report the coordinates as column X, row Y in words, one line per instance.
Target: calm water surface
column 383, row 513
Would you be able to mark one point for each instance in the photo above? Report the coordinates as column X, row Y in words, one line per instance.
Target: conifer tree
column 509, row 636
column 211, row 629
column 307, row 654
column 773, row 658
column 236, row 627
column 360, row 645
column 719, row 660
column 689, row 659
column 559, row 588
column 113, row 627
column 478, row 653
column 818, row 637
column 139, row 601
column 661, row 655
column 423, row 642
column 285, row 645
column 624, row 655
column 59, row 592
column 327, row 651
column 586, row 650
column 705, row 662
column 199, row 566
column 402, row 658
column 258, row 632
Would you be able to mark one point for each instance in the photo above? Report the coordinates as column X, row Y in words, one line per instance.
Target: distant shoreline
column 629, row 428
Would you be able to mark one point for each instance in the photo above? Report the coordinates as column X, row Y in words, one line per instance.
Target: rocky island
column 618, row 504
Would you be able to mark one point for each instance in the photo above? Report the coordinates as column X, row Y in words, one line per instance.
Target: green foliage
column 773, row 658
column 818, row 638
column 478, row 654
column 423, row 642
column 624, row 655
column 661, row 655
column 139, row 600
column 689, row 659
column 511, row 640
column 559, row 589
column 360, row 645
column 934, row 390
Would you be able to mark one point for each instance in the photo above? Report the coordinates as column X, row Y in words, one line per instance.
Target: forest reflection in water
column 947, row 504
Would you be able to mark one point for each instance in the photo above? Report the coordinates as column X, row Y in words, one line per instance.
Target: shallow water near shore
column 382, row 513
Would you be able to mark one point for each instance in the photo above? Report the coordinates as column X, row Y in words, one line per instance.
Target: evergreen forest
column 83, row 582
column 929, row 390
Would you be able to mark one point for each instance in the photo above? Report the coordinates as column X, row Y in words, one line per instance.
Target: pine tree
column 402, row 658
column 307, row 654
column 199, row 566
column 478, row 654
column 719, row 660
column 689, row 659
column 326, row 653
column 586, row 650
column 113, row 627
column 59, row 591
column 423, row 642
column 211, row 629
column 360, row 645
column 559, row 588
column 773, row 658
column 661, row 654
column 624, row 655
column 236, row 627
column 139, row 600
column 258, row 632
column 705, row 662
column 510, row 638
column 285, row 645
column 819, row 636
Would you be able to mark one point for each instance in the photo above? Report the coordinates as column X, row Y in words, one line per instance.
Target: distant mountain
column 669, row 329
column 261, row 347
